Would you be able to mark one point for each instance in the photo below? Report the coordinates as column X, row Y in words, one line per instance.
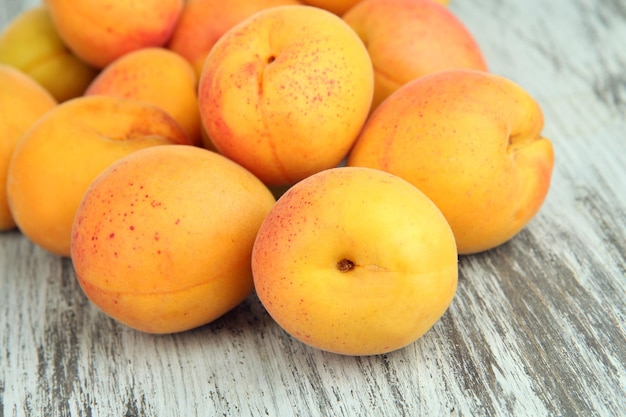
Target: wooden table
column 536, row 327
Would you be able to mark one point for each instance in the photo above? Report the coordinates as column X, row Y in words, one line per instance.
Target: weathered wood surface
column 536, row 328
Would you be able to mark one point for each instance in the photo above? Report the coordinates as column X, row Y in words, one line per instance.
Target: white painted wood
column 536, row 328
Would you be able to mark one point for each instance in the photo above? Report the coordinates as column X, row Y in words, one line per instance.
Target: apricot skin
column 100, row 31
column 31, row 43
column 203, row 22
column 163, row 238
column 286, row 92
column 158, row 76
column 22, row 102
column 355, row 261
column 472, row 142
column 407, row 39
column 57, row 158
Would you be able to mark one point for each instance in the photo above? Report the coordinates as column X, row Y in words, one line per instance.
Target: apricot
column 22, row 102
column 472, row 142
column 100, row 31
column 158, row 76
column 31, row 43
column 355, row 261
column 162, row 239
column 407, row 39
column 337, row 7
column 203, row 22
column 286, row 92
column 57, row 158
column 340, row 7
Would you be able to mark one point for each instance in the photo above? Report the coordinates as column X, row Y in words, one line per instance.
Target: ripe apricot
column 163, row 238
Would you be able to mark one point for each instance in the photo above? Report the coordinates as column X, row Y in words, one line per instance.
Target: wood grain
column 536, row 328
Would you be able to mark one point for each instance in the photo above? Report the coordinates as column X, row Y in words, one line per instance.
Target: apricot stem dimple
column 345, row 265
column 271, row 59
column 519, row 141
